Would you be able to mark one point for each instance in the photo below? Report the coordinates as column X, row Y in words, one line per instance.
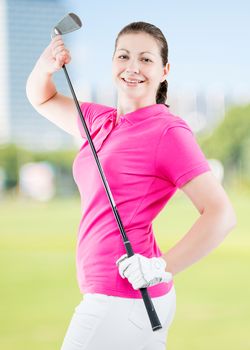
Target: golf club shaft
column 155, row 322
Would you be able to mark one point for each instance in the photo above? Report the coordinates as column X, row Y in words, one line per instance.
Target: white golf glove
column 143, row 272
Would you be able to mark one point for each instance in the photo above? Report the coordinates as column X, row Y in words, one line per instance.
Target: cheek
column 116, row 70
column 115, row 74
column 155, row 77
column 114, row 66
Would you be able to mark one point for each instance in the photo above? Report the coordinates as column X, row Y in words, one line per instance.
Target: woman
column 147, row 153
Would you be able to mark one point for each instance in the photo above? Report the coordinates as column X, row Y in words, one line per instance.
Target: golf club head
column 68, row 23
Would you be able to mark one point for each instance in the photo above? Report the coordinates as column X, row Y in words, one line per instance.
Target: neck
column 126, row 105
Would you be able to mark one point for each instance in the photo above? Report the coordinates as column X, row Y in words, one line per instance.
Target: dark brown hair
column 156, row 33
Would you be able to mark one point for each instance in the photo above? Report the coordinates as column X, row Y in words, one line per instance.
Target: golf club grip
column 153, row 317
column 154, row 320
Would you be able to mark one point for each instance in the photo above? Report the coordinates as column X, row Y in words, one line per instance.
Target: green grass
column 39, row 291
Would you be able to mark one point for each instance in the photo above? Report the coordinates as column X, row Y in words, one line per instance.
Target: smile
column 132, row 82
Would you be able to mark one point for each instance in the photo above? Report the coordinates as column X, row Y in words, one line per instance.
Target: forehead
column 138, row 42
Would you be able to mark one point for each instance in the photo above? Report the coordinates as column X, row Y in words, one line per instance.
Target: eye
column 122, row 56
column 146, row 60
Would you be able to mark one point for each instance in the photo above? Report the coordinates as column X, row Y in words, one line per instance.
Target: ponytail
column 161, row 94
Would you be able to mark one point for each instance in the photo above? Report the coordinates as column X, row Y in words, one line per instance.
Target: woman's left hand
column 143, row 272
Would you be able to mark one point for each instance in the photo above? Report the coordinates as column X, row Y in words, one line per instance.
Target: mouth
column 132, row 82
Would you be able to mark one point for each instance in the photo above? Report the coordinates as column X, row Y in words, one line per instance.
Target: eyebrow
column 140, row 52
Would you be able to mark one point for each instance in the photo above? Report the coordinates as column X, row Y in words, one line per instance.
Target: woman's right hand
column 54, row 56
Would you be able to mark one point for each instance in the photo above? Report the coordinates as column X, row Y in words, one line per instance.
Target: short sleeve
column 94, row 115
column 179, row 158
column 87, row 114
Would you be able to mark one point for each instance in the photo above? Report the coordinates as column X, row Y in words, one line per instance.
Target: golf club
column 70, row 23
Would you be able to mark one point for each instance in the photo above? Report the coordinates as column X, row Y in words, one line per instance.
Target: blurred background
column 209, row 87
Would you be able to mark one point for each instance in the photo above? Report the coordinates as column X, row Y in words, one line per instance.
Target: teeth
column 133, row 81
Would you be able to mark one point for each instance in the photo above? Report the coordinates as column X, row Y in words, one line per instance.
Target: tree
column 230, row 141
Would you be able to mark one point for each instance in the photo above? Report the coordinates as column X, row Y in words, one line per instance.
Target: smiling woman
column 147, row 154
column 140, row 60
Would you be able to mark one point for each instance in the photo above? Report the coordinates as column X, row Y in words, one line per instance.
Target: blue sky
column 208, row 41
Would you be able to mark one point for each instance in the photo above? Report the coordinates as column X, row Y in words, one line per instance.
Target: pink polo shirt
column 145, row 158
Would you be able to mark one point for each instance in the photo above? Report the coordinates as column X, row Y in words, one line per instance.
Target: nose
column 132, row 66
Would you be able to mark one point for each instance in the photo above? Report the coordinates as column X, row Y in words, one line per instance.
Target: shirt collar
column 143, row 112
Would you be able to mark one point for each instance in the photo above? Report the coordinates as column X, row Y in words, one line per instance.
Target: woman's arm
column 41, row 90
column 216, row 221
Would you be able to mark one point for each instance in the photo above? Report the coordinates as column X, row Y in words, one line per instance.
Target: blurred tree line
column 229, row 142
column 13, row 157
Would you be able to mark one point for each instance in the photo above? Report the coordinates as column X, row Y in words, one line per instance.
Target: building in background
column 25, row 32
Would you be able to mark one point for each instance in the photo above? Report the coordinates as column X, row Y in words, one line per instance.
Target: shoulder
column 169, row 120
column 94, row 114
column 96, row 108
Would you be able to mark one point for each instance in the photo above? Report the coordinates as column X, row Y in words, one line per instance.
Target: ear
column 166, row 70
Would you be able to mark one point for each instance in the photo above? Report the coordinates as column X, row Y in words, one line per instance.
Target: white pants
column 102, row 322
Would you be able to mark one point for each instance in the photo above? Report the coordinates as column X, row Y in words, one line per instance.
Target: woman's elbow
column 229, row 216
column 225, row 216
